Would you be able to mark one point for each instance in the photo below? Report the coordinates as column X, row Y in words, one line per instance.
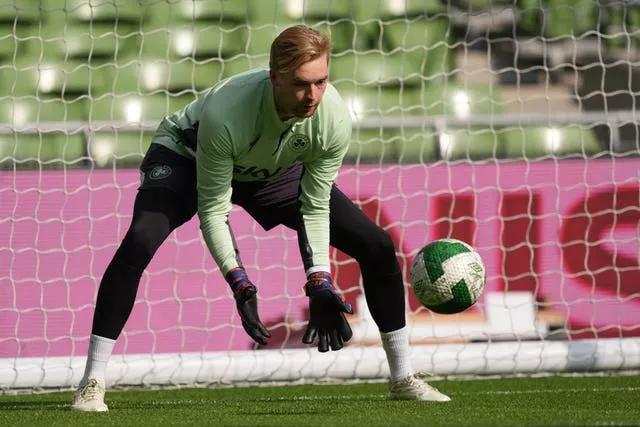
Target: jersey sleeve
column 214, row 164
column 316, row 183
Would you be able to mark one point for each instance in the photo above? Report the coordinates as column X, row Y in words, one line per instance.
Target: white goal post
column 509, row 125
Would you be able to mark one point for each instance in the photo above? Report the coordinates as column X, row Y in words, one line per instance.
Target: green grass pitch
column 554, row 400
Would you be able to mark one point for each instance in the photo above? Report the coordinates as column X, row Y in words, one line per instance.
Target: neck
column 282, row 114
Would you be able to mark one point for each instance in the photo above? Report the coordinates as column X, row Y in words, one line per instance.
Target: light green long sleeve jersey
column 240, row 137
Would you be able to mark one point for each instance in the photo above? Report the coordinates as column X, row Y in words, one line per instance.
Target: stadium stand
column 122, row 61
column 34, row 146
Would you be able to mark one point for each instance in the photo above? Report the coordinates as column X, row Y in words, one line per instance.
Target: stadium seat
column 622, row 25
column 374, row 146
column 96, row 10
column 68, row 79
column 199, row 29
column 133, row 75
column 334, row 18
column 373, row 101
column 570, row 18
column 478, row 5
column 43, row 141
column 457, row 100
column 268, row 19
column 470, row 144
column 199, row 40
column 529, row 12
column 417, row 29
column 426, row 42
column 125, row 144
column 370, row 104
column 371, row 67
column 14, row 40
column 133, row 108
column 8, row 42
column 416, row 145
column 242, row 63
column 118, row 148
column 558, row 19
column 286, row 12
column 167, row 13
column 29, row 111
column 46, row 150
column 530, row 143
column 389, row 10
column 377, row 18
column 62, row 37
column 20, row 12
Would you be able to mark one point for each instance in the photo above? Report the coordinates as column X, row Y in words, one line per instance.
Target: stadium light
column 461, row 105
column 446, row 139
column 295, row 8
column 152, row 75
column 18, row 114
column 397, row 7
column 553, row 138
column 46, row 78
column 356, row 107
column 133, row 110
column 184, row 42
column 102, row 150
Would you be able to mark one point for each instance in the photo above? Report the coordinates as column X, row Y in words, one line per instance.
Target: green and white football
column 448, row 276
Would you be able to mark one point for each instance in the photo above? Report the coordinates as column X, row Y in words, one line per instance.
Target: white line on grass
column 384, row 396
column 554, row 390
column 334, row 397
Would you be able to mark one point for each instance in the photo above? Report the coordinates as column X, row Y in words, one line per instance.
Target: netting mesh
column 509, row 125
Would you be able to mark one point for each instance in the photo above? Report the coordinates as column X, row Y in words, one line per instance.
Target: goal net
column 509, row 125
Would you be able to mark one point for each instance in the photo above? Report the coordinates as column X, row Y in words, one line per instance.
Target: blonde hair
column 296, row 46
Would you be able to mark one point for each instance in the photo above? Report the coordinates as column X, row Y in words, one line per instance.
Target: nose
column 312, row 94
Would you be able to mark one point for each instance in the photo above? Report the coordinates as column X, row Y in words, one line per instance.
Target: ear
column 273, row 75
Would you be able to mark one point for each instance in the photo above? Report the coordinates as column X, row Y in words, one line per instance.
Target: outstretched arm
column 214, row 161
column 326, row 307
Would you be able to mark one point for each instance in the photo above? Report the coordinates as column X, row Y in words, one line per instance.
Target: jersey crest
column 298, row 142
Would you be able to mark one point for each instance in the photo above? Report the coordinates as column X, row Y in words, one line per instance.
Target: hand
column 326, row 314
column 245, row 294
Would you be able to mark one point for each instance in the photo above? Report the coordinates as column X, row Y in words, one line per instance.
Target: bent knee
column 378, row 249
column 147, row 234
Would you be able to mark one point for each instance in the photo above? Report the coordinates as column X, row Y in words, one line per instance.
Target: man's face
column 298, row 93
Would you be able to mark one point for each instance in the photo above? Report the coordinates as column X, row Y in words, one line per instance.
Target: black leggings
column 158, row 211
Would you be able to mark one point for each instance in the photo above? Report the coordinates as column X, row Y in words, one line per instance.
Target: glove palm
column 245, row 295
column 326, row 314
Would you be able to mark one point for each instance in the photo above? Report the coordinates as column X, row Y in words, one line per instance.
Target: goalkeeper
column 270, row 141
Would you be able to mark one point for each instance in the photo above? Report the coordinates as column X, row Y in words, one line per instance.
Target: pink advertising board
column 567, row 231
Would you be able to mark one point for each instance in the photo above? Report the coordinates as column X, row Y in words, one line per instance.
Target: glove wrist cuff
column 237, row 278
column 319, row 275
column 319, row 280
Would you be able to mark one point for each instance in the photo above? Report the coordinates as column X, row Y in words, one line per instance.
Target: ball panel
column 438, row 292
column 476, row 278
column 436, row 253
column 448, row 276
column 419, row 279
column 461, row 300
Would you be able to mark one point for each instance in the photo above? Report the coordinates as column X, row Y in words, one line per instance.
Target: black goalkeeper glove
column 326, row 314
column 244, row 292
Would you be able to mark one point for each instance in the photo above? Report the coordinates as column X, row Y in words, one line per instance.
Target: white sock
column 100, row 350
column 396, row 345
